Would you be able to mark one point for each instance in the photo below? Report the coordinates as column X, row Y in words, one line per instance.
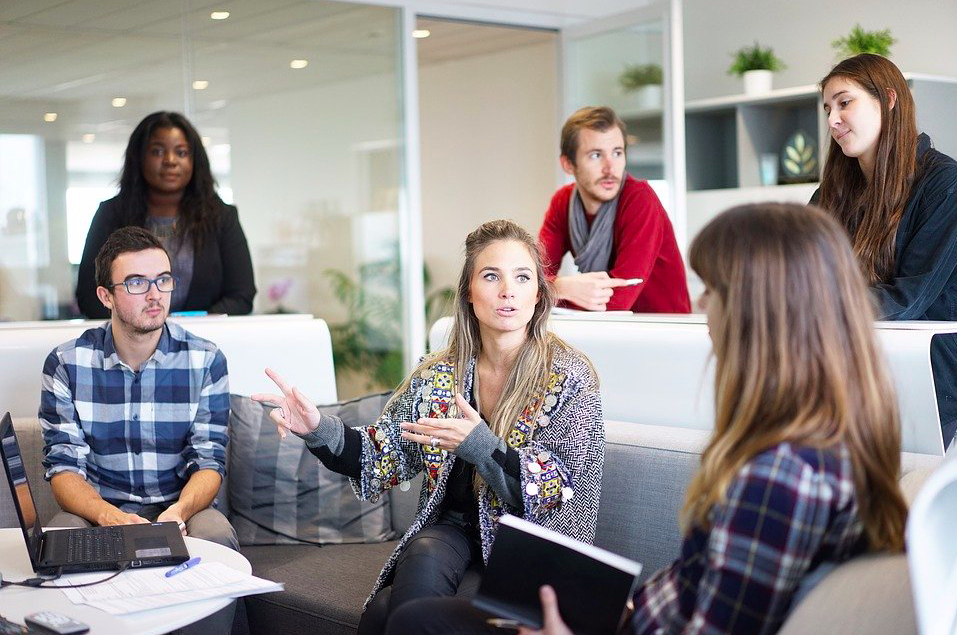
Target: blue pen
column 192, row 562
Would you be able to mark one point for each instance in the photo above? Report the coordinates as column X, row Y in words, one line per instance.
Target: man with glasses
column 134, row 412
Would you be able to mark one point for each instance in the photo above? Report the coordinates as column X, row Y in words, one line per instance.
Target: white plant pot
column 757, row 82
column 648, row 97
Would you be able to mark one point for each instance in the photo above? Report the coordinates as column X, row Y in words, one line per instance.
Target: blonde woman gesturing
column 506, row 419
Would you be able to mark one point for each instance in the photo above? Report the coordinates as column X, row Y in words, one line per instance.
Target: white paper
column 144, row 589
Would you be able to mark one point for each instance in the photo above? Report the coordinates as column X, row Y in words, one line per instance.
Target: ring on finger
column 435, row 442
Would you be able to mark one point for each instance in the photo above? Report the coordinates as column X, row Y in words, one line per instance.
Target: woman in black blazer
column 167, row 187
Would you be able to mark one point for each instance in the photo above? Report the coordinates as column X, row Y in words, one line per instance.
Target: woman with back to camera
column 167, row 187
column 897, row 198
column 506, row 419
column 802, row 468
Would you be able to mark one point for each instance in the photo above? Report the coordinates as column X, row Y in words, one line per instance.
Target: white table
column 15, row 602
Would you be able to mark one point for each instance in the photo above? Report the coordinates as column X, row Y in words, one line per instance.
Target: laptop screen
column 20, row 488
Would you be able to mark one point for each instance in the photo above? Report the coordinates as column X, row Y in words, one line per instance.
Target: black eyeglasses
column 139, row 286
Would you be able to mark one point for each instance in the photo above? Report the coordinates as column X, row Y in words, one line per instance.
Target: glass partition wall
column 299, row 104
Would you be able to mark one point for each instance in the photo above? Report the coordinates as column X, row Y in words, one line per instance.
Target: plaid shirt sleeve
column 206, row 449
column 65, row 448
column 740, row 576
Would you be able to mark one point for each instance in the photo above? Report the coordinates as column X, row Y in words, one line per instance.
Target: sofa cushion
column 325, row 587
column 869, row 594
column 647, row 470
column 280, row 494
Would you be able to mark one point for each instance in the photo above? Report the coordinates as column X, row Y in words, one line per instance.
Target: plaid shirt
column 788, row 510
column 135, row 436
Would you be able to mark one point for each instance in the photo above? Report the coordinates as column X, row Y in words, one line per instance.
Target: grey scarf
column 592, row 247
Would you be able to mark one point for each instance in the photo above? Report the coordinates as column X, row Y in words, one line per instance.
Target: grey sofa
column 647, row 469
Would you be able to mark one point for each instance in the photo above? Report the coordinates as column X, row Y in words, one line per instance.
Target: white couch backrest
column 658, row 370
column 296, row 346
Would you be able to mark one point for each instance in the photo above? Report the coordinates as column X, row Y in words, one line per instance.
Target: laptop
column 93, row 549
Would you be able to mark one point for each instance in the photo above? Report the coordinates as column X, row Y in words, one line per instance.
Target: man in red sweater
column 613, row 224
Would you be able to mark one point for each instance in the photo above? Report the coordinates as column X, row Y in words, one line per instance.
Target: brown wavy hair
column 871, row 210
column 530, row 373
column 796, row 358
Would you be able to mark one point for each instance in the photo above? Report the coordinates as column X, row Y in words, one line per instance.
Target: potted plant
column 644, row 82
column 861, row 41
column 756, row 65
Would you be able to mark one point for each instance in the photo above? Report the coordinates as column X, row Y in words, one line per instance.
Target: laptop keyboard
column 96, row 545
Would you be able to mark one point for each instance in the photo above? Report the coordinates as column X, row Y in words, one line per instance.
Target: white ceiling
column 73, row 56
column 450, row 40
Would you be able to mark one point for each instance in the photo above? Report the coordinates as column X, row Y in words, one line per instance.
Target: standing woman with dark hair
column 167, row 187
column 897, row 198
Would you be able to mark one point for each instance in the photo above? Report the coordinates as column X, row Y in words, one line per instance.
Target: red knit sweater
column 644, row 247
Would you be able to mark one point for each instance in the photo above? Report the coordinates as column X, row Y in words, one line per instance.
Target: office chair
column 932, row 551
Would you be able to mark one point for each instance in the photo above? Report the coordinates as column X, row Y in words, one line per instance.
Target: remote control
column 56, row 623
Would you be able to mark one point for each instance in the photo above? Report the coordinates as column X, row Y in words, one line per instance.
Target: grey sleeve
column 497, row 463
column 330, row 433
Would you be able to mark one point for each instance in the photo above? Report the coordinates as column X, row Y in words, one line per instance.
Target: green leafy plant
column 369, row 342
column 755, row 58
column 861, row 41
column 636, row 76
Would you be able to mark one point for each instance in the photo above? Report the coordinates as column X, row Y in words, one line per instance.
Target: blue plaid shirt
column 788, row 510
column 137, row 437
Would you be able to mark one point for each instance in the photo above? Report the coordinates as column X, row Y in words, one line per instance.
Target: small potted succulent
column 643, row 81
column 860, row 41
column 756, row 65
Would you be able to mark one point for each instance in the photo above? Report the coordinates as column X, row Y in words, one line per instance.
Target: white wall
column 489, row 147
column 302, row 184
column 801, row 34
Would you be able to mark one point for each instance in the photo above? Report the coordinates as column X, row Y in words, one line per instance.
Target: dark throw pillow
column 279, row 493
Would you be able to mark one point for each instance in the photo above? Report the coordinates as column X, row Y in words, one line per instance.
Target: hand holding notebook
column 592, row 585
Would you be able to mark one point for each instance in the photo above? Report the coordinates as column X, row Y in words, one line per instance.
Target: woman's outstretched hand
column 446, row 434
column 293, row 411
column 553, row 624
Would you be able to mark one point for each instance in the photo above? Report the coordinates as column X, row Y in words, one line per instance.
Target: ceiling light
column 118, row 102
column 219, row 15
column 49, row 117
column 421, row 33
column 298, row 63
column 206, row 140
column 200, row 84
column 89, row 137
column 216, row 105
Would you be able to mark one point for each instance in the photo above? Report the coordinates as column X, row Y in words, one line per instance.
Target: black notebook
column 592, row 584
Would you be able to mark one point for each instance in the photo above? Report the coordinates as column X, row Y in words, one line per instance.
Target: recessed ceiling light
column 118, row 102
column 216, row 105
column 421, row 33
column 298, row 63
column 200, row 84
column 49, row 117
column 89, row 137
column 206, row 140
column 219, row 15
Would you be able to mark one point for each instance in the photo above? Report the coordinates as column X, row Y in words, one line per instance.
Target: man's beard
column 144, row 325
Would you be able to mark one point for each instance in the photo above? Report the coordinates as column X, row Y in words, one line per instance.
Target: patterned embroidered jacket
column 562, row 454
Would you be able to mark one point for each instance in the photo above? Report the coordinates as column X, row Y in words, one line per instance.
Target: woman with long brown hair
column 803, row 464
column 801, row 470
column 897, row 198
column 506, row 419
